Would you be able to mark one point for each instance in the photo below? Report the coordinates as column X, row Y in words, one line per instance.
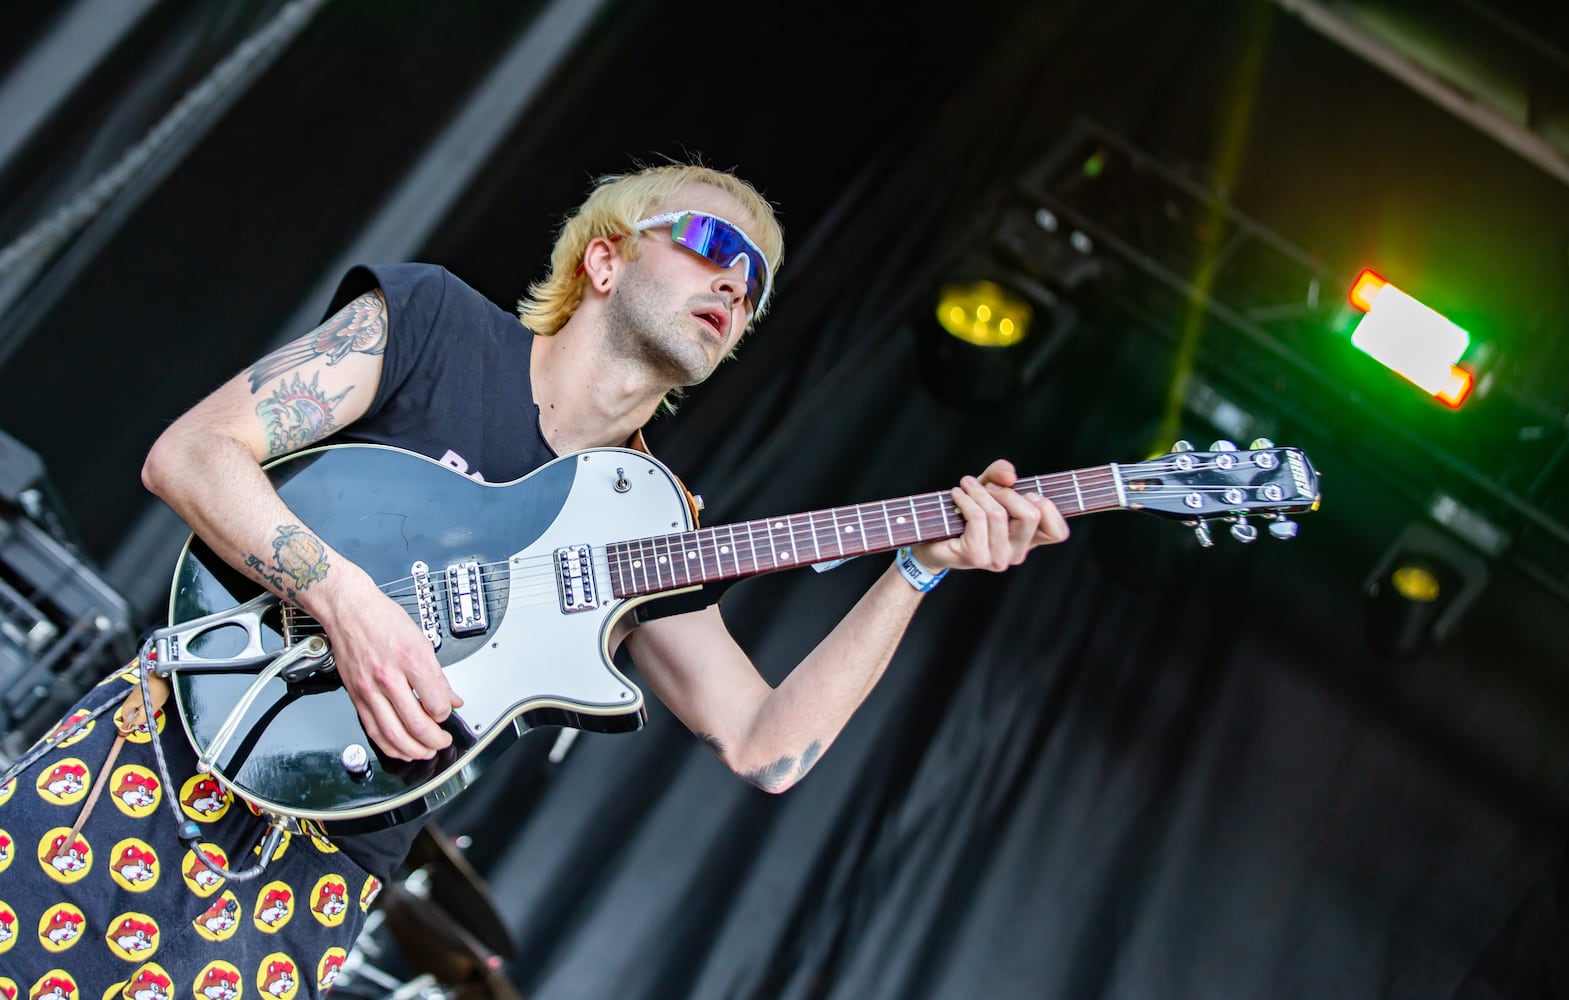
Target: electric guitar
column 518, row 586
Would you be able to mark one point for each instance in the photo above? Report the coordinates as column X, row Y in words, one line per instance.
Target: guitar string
column 525, row 581
column 921, row 507
column 747, row 533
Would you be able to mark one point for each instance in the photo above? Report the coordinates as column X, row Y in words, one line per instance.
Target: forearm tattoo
column 299, row 559
column 297, row 414
column 771, row 776
column 360, row 326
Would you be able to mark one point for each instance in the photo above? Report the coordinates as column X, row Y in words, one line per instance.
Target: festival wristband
column 918, row 576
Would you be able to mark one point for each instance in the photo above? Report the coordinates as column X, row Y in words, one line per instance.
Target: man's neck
column 588, row 398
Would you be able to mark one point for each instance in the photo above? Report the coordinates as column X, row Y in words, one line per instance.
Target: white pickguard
column 540, row 656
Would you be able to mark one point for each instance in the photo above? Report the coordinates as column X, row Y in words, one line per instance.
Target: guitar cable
column 188, row 830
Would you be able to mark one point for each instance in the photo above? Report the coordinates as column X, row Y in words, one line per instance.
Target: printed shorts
column 124, row 909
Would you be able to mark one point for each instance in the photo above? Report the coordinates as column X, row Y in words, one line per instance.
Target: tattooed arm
column 207, row 466
column 771, row 736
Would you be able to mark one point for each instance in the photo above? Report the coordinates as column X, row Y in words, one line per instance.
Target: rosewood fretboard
column 670, row 562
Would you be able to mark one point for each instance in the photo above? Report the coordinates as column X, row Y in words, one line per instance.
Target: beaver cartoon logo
column 151, row 982
column 136, row 790
column 329, row 900
column 7, row 928
column 132, row 936
column 368, row 892
column 65, row 783
column 274, row 907
column 5, row 850
column 203, row 799
column 59, row 927
column 139, row 733
column 330, row 968
column 198, row 877
column 8, row 988
column 63, row 858
column 56, row 984
column 217, row 981
column 65, row 734
column 218, row 921
column 276, row 977
column 6, row 790
column 135, row 865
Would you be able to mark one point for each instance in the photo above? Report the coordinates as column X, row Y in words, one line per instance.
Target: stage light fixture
column 1411, row 339
column 987, row 335
column 1420, row 590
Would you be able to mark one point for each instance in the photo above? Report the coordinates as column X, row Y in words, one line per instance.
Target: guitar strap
column 638, row 444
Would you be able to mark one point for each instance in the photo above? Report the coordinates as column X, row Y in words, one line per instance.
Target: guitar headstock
column 1225, row 484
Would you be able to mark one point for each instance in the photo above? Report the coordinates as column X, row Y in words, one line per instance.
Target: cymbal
column 456, row 887
column 432, row 942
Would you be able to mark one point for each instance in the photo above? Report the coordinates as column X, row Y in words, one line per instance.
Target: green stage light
column 1411, row 339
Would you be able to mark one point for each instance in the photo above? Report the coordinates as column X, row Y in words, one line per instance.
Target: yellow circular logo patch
column 56, row 984
column 66, row 783
column 274, row 907
column 198, row 877
column 217, row 981
column 151, row 982
column 134, row 865
column 7, row 850
column 203, row 799
column 133, row 936
column 220, row 920
column 277, row 976
column 7, row 928
column 330, row 967
column 136, row 790
column 369, row 891
column 58, row 736
column 65, row 858
column 330, row 900
column 60, row 926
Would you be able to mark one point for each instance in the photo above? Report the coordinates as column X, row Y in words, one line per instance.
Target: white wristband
column 918, row 576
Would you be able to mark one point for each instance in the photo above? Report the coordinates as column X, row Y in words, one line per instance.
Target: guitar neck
column 671, row 562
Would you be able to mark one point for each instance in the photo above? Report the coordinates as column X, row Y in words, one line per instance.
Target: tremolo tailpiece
column 167, row 651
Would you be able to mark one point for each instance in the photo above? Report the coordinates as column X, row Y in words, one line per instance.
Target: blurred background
column 1136, row 766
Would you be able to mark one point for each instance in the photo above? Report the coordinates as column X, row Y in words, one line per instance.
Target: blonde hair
column 612, row 206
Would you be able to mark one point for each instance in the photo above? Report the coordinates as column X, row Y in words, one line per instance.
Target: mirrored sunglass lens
column 721, row 243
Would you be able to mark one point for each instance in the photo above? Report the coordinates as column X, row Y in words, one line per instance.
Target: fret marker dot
column 778, row 525
column 899, row 519
column 849, row 529
column 784, row 554
column 637, row 563
column 724, row 548
column 691, row 555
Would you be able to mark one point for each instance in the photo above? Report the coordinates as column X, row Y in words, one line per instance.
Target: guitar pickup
column 466, row 599
column 575, row 579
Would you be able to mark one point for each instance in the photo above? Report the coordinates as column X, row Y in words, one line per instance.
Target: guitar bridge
column 575, row 578
column 466, row 599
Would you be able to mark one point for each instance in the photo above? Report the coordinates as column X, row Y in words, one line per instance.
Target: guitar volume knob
column 356, row 761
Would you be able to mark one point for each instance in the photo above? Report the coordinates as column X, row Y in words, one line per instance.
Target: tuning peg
column 1260, row 444
column 1283, row 527
column 1222, row 445
column 1243, row 532
column 1201, row 532
column 1182, row 446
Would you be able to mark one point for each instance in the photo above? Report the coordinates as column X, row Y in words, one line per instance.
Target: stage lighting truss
column 1271, row 327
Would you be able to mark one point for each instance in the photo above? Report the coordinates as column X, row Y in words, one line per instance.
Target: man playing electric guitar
column 653, row 282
